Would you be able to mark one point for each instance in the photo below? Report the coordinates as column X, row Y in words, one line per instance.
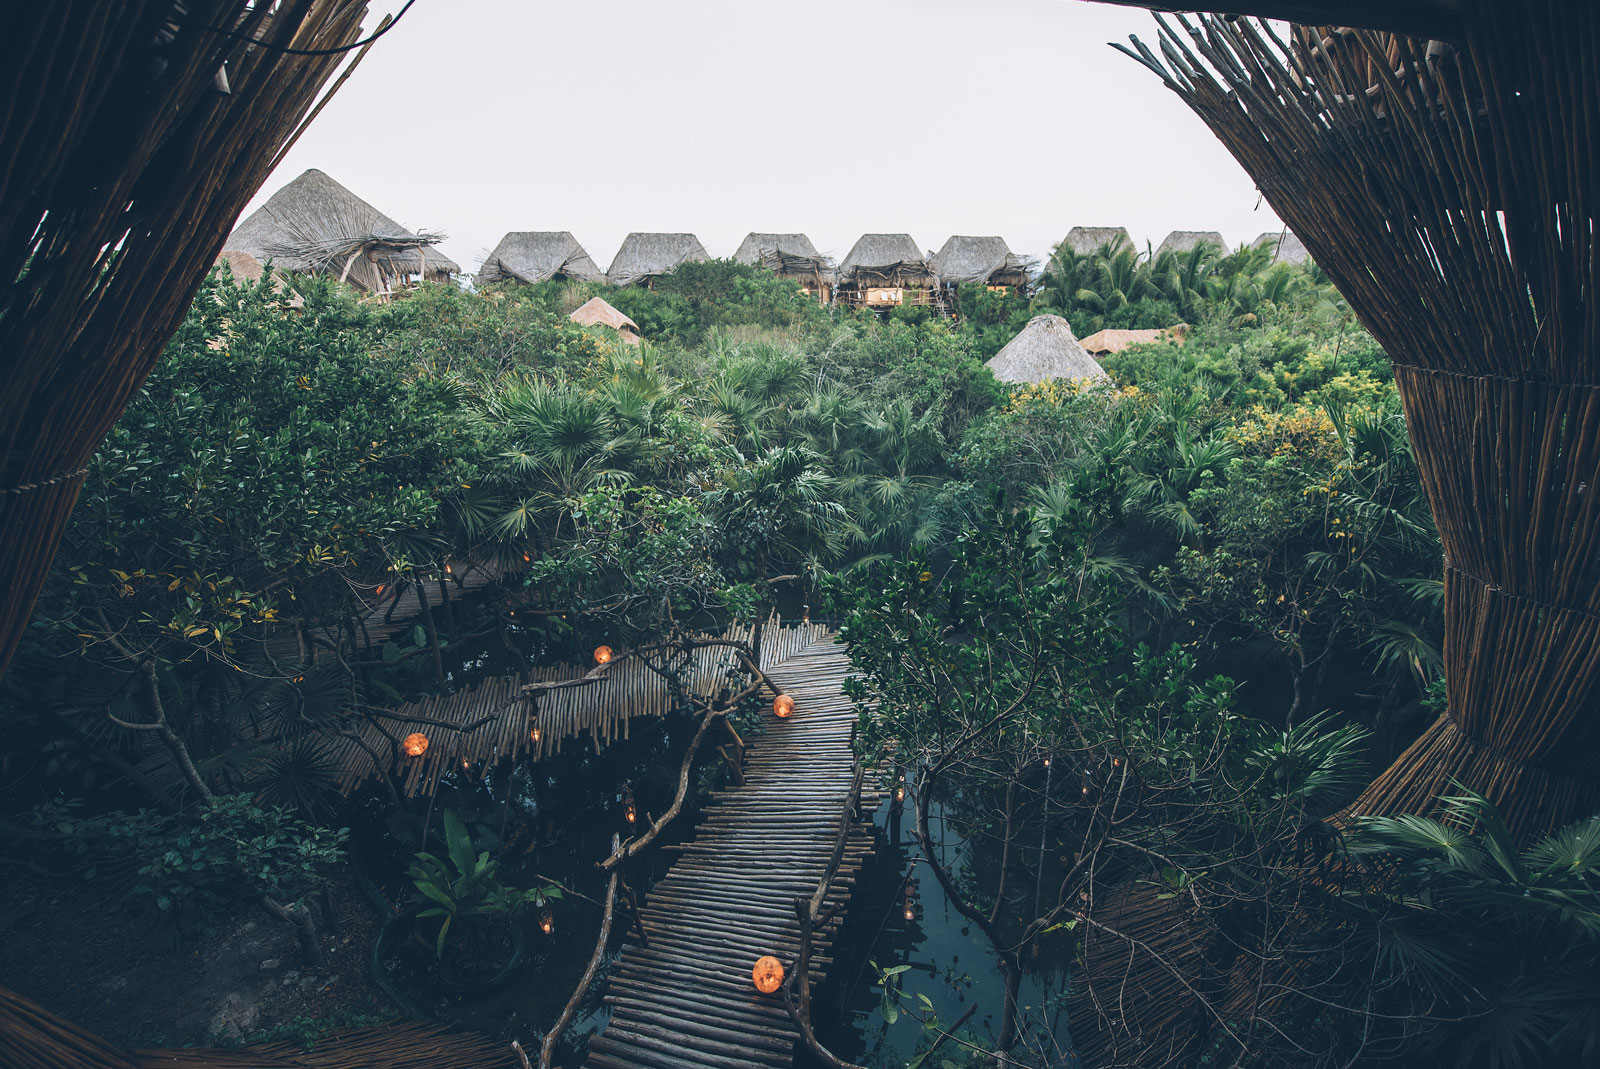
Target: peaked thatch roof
column 787, row 254
column 1184, row 240
column 884, row 257
column 1114, row 341
column 243, row 266
column 1286, row 248
column 535, row 255
column 647, row 256
column 978, row 259
column 1045, row 349
column 314, row 224
column 1085, row 239
column 597, row 312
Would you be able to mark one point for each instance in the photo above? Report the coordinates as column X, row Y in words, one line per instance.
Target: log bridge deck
column 684, row 998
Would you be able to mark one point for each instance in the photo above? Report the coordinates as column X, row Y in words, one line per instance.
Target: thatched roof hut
column 536, row 255
column 645, row 257
column 986, row 260
column 1102, row 342
column 1286, row 248
column 1181, row 241
column 1045, row 349
column 597, row 312
column 243, row 266
column 1086, row 239
column 791, row 256
column 882, row 270
column 316, row 226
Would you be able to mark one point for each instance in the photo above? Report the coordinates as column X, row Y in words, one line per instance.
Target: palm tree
column 1500, row 946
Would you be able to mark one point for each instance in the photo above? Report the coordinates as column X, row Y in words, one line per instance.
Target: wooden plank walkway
column 503, row 716
column 685, row 998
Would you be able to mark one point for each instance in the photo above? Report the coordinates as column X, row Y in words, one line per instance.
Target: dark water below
column 951, row 964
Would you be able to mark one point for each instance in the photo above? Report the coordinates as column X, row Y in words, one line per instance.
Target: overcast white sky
column 935, row 117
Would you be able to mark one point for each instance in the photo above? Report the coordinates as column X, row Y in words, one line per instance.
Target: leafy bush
column 195, row 868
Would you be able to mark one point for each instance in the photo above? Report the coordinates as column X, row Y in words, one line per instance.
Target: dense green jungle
column 1124, row 650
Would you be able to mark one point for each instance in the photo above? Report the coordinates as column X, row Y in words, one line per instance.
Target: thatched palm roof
column 978, row 259
column 1114, row 341
column 597, row 312
column 787, row 254
column 1286, row 248
column 647, row 256
column 533, row 256
column 1184, row 240
column 314, row 224
column 884, row 257
column 1085, row 239
column 244, row 267
column 1045, row 349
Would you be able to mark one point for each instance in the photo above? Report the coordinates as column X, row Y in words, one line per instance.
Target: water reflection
column 951, row 964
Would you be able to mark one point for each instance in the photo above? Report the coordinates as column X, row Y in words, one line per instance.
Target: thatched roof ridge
column 1286, row 247
column 787, row 254
column 964, row 258
column 315, row 224
column 1114, row 341
column 645, row 256
column 884, row 256
column 536, row 255
column 1085, row 239
column 1045, row 349
column 598, row 312
column 1183, row 240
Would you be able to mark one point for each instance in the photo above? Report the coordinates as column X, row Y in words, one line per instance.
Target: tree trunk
column 299, row 917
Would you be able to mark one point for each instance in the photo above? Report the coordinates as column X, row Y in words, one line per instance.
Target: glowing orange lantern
column 783, row 707
column 547, row 920
column 603, row 655
column 768, row 974
column 534, row 734
column 415, row 744
column 447, row 569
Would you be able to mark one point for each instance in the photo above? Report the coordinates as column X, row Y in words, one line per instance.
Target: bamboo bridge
column 681, row 995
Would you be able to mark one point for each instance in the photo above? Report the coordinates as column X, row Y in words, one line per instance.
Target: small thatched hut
column 534, row 256
column 1181, row 241
column 790, row 256
column 1286, row 248
column 884, row 270
column 988, row 261
column 596, row 312
column 1086, row 239
column 1104, row 342
column 316, row 226
column 243, row 266
column 1045, row 349
column 644, row 258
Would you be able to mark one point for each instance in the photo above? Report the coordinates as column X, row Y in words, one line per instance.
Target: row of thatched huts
column 1083, row 240
column 316, row 225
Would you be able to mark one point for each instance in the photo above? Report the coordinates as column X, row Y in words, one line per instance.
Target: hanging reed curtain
column 132, row 136
column 1451, row 193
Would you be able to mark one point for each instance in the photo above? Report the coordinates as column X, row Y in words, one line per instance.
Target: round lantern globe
column 415, row 744
column 603, row 655
column 783, row 706
column 768, row 974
